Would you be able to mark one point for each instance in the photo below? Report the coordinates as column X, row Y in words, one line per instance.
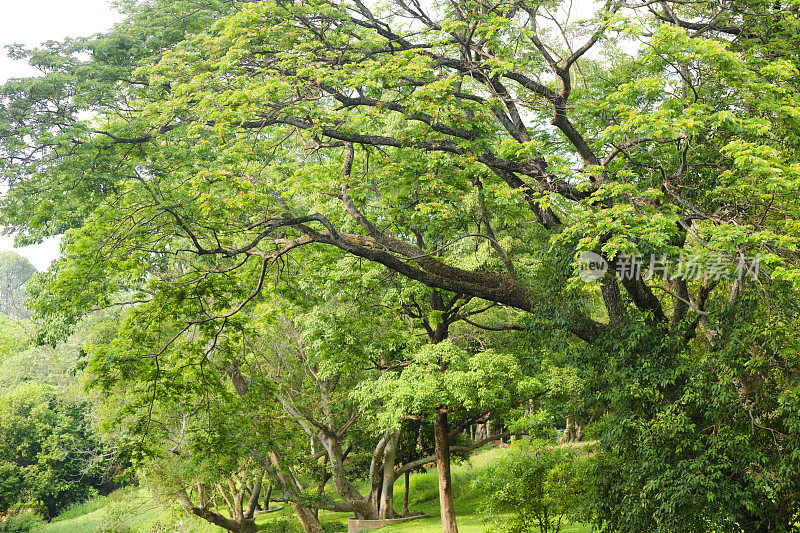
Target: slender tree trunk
column 405, row 495
column 244, row 525
column 578, row 433
column 569, row 432
column 364, row 508
column 290, row 486
column 237, row 512
column 252, row 503
column 376, row 473
column 442, row 445
column 267, row 496
column 387, row 491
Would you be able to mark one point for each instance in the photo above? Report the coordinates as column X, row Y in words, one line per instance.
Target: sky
column 32, row 22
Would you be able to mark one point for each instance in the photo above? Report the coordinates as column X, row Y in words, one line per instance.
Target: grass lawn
column 142, row 510
column 134, row 507
column 138, row 510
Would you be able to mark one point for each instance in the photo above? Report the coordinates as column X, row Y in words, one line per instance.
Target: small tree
column 538, row 484
column 44, row 443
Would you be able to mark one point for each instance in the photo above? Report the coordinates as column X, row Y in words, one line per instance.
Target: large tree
column 477, row 148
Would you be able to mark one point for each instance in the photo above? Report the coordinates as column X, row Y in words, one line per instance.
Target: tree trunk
column 405, row 495
column 237, row 512
column 255, row 492
column 387, row 491
column 267, row 496
column 245, row 526
column 578, row 433
column 235, row 526
column 363, row 508
column 248, row 525
column 305, row 516
column 569, row 432
column 376, row 473
column 442, row 445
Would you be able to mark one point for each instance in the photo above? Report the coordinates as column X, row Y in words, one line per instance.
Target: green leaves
column 444, row 376
column 46, row 450
column 277, row 194
column 540, row 485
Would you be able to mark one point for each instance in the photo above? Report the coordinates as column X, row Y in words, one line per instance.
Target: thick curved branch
column 434, row 273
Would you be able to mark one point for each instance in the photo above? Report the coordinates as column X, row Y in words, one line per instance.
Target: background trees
column 47, row 451
column 15, row 271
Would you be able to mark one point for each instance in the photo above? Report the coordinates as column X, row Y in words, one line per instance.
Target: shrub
column 24, row 522
column 19, row 508
column 538, row 484
column 120, row 506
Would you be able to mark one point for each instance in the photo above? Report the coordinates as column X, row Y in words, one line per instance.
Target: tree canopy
column 618, row 187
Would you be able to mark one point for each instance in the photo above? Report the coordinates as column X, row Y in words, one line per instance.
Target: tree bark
column 289, row 485
column 228, row 501
column 363, row 507
column 305, row 516
column 442, row 446
column 252, row 503
column 405, row 495
column 267, row 496
column 245, row 526
column 376, row 472
column 237, row 512
column 387, row 491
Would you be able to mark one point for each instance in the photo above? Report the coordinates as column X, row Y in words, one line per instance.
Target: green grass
column 132, row 506
column 137, row 509
column 81, row 509
column 81, row 524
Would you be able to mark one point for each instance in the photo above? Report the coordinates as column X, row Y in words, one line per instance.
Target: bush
column 23, row 522
column 41, row 433
column 538, row 484
column 19, row 508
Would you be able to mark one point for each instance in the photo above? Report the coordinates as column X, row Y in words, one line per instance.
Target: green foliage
column 15, row 271
column 81, row 508
column 13, row 339
column 23, row 521
column 46, row 450
column 539, row 485
column 276, row 194
column 445, row 375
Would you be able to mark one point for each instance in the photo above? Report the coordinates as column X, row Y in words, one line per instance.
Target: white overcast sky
column 32, row 22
